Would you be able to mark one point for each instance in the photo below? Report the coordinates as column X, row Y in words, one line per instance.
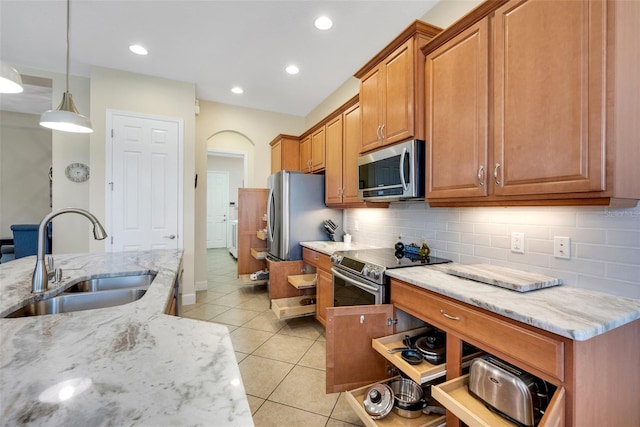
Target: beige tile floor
column 282, row 362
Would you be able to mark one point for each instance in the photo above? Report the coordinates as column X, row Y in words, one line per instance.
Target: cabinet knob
column 495, row 174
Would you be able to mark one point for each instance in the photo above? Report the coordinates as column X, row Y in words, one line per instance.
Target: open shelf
column 288, row 308
column 259, row 253
column 245, row 278
column 454, row 395
column 303, row 281
column 356, row 398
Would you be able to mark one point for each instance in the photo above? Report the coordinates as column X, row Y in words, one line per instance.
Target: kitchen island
column 126, row 365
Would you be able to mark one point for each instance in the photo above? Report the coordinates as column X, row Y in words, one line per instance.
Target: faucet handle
column 58, row 275
column 50, row 263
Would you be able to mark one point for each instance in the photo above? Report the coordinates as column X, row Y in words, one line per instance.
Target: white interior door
column 145, row 191
column 217, row 208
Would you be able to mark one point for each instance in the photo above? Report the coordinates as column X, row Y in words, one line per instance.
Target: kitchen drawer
column 356, row 398
column 422, row 373
column 303, row 281
column 481, row 328
column 259, row 253
column 316, row 259
column 288, row 308
column 454, row 395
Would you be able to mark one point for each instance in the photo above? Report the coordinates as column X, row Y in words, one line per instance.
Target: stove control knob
column 365, row 270
column 375, row 274
column 335, row 258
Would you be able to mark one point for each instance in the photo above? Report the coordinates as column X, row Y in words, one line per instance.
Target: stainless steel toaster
column 515, row 394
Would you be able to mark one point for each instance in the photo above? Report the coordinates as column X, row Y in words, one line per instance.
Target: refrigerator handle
column 269, row 219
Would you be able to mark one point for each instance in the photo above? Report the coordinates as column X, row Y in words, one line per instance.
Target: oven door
column 349, row 289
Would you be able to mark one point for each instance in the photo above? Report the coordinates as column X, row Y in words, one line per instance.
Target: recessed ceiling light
column 237, row 90
column 138, row 50
column 323, row 23
column 292, row 69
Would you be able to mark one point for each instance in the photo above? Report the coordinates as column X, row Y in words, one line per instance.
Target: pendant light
column 66, row 117
column 10, row 80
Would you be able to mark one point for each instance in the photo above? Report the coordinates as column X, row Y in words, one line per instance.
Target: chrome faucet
column 40, row 279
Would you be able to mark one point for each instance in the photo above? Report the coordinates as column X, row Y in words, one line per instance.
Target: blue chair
column 25, row 240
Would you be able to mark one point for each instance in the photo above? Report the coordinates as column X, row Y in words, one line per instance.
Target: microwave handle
column 405, row 153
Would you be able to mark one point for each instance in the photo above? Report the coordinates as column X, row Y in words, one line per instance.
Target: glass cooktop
column 386, row 257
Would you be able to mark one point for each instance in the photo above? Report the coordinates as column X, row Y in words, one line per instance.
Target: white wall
column 123, row 91
column 72, row 233
column 25, row 157
column 605, row 243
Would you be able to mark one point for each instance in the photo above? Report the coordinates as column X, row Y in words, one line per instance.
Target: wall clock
column 77, row 172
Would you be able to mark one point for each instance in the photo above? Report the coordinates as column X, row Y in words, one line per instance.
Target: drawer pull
column 448, row 316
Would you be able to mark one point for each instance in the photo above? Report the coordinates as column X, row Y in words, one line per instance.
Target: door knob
column 171, row 236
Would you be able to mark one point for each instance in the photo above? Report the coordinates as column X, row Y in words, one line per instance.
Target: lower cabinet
column 324, row 292
column 597, row 381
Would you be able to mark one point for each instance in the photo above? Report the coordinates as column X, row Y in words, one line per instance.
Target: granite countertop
column 564, row 310
column 130, row 365
column 329, row 248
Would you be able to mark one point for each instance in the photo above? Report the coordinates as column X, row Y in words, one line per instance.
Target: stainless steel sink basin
column 110, row 283
column 66, row 303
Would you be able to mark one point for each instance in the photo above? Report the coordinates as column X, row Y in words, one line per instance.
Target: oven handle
column 356, row 283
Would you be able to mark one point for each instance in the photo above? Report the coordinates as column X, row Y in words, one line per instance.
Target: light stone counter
column 570, row 312
column 328, row 248
column 131, row 364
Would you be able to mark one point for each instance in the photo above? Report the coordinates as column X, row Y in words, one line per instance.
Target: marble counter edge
column 328, row 247
column 563, row 310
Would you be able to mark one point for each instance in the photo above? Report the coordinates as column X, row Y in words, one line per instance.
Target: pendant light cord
column 68, row 45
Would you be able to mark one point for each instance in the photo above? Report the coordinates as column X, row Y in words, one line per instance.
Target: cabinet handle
column 378, row 133
column 448, row 316
column 481, row 176
column 495, row 174
column 381, row 131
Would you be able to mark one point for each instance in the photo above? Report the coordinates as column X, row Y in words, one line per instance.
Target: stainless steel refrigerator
column 296, row 212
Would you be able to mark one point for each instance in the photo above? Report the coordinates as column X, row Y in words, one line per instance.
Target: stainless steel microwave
column 392, row 173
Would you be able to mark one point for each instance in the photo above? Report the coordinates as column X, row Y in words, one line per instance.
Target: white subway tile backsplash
column 605, row 253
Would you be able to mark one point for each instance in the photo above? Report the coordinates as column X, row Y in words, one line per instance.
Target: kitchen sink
column 66, row 303
column 111, row 283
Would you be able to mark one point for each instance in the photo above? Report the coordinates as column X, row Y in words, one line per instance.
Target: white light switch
column 562, row 247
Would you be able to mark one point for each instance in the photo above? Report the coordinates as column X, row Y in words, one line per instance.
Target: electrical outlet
column 562, row 247
column 517, row 242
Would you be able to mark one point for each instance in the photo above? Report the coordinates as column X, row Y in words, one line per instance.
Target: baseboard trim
column 202, row 286
column 188, row 299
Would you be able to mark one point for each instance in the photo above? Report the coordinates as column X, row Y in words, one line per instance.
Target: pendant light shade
column 66, row 117
column 10, row 80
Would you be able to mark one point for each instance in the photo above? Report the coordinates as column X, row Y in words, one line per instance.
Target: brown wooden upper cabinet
column 391, row 88
column 312, row 153
column 550, row 134
column 343, row 146
column 285, row 153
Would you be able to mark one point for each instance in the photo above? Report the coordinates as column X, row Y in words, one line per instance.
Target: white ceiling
column 214, row 44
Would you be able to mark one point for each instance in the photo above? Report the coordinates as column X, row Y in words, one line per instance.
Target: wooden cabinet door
column 324, row 295
column 371, row 104
column 334, row 156
column 317, row 149
column 399, row 95
column 252, row 205
column 305, row 154
column 456, row 76
column 276, row 157
column 352, row 131
column 351, row 360
column 549, row 82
